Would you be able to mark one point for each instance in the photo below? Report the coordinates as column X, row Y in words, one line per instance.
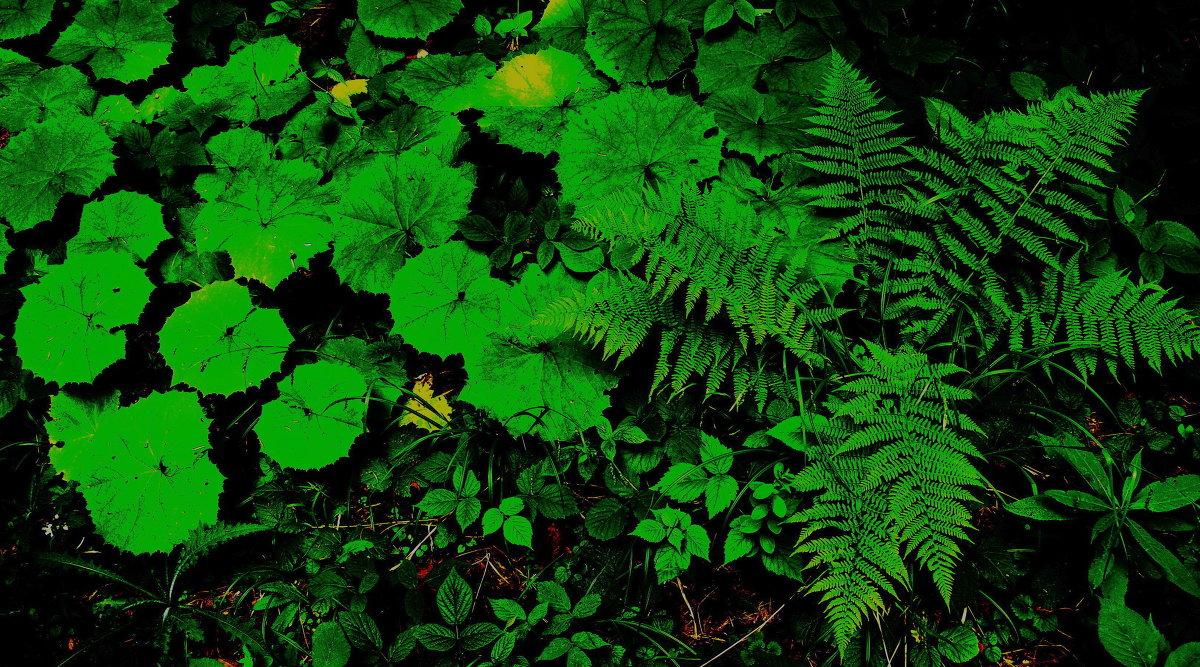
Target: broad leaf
column 454, row 599
column 557, row 387
column 65, row 329
column 120, row 39
column 71, row 154
column 393, row 204
column 128, row 221
column 529, row 100
column 19, row 18
column 406, row 18
column 444, row 82
column 261, row 81
column 755, row 123
column 1168, row 494
column 606, row 519
column 636, row 138
column 145, row 472
column 519, row 531
column 1128, row 637
column 329, row 646
column 748, row 55
column 444, row 302
column 57, row 92
column 639, row 42
column 316, row 418
column 270, row 220
column 220, row 343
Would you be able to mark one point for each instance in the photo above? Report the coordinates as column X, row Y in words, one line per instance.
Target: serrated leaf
column 144, row 470
column 220, row 343
column 650, row 530
column 69, row 155
column 64, row 330
column 636, row 138
column 119, row 39
column 316, row 418
column 528, row 102
column 438, row 502
column 683, row 482
column 737, row 544
column 747, row 56
column 1037, row 507
column 478, row 635
column 406, row 18
column 1130, row 639
column 507, row 610
column 444, row 302
column 329, row 646
column 519, row 531
column 392, row 204
column 606, row 519
column 492, row 520
column 454, row 599
column 431, row 413
column 436, row 637
column 719, row 493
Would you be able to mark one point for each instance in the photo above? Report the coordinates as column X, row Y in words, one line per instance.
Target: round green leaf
column 329, row 646
column 220, row 343
column 71, row 154
column 392, row 204
column 120, row 39
column 317, row 416
column 444, row 82
column 19, row 18
column 64, row 331
column 144, row 471
column 444, row 302
column 262, row 80
column 57, row 92
column 128, row 221
column 636, row 138
column 638, row 41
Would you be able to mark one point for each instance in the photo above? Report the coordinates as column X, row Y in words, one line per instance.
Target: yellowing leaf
column 419, row 414
column 342, row 91
column 542, row 79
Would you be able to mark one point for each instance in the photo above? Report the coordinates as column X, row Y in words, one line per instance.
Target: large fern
column 893, row 474
column 705, row 256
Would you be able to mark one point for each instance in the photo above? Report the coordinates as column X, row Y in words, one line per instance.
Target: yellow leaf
column 342, row 91
column 418, row 414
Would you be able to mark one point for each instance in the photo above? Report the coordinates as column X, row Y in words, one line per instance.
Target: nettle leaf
column 220, row 343
column 454, row 599
column 536, row 370
column 65, row 329
column 19, row 18
column 636, row 138
column 120, row 39
column 270, row 220
column 444, row 302
column 528, row 101
column 145, row 472
column 444, row 82
column 125, row 221
column 317, row 416
column 57, row 92
column 756, row 123
column 639, row 42
column 260, row 81
column 744, row 57
column 71, row 154
column 406, row 18
column 391, row 205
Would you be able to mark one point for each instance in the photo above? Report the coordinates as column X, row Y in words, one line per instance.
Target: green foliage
column 123, row 40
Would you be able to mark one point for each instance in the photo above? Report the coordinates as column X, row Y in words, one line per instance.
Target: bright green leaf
column 316, row 418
